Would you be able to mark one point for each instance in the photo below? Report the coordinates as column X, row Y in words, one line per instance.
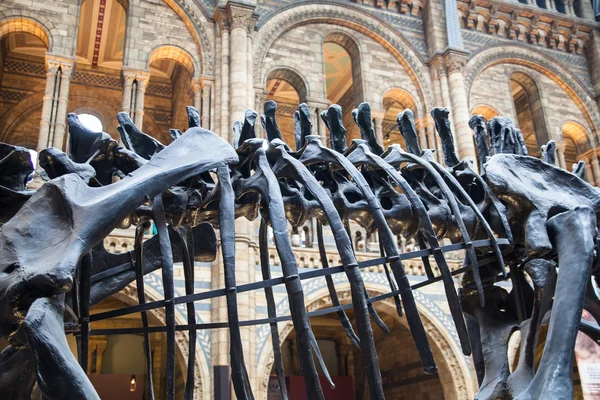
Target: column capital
column 241, row 15
column 318, row 103
column 560, row 146
column 377, row 115
column 135, row 74
column 129, row 75
column 455, row 60
column 196, row 86
column 54, row 62
column 236, row 15
column 437, row 65
column 207, row 82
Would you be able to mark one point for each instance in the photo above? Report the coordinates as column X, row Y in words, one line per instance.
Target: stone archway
column 201, row 380
column 455, row 375
column 347, row 16
column 534, row 60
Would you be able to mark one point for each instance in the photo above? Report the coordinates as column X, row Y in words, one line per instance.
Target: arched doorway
column 402, row 374
column 343, row 80
column 394, row 102
column 23, row 45
column 169, row 91
column 121, row 357
column 288, row 89
column 529, row 113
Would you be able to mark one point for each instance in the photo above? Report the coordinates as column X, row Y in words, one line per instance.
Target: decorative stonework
column 455, row 61
column 241, row 16
column 303, row 14
column 520, row 55
column 509, row 20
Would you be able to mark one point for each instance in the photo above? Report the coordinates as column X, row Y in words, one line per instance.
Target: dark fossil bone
column 540, row 210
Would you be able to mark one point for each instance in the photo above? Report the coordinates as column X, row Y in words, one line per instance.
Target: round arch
column 348, row 43
column 197, row 23
column 524, row 56
column 347, row 16
column 488, row 112
column 291, row 76
column 201, row 378
column 29, row 25
column 453, row 369
column 173, row 53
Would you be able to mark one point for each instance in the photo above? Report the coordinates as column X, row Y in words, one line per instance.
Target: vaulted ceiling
column 101, row 38
column 23, row 43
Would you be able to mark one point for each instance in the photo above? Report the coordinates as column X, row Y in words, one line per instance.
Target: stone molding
column 54, row 62
column 351, row 17
column 513, row 21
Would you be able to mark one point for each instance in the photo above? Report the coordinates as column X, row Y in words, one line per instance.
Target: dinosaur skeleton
column 520, row 212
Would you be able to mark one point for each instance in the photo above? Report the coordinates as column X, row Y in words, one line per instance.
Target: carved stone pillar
column 140, row 93
column 595, row 168
column 421, row 132
column 157, row 364
column 589, row 175
column 196, row 89
column 63, row 101
column 134, row 90
column 259, row 102
column 455, row 62
column 206, row 100
column 560, row 152
column 250, row 66
column 319, row 128
column 46, row 121
column 127, row 103
column 224, row 125
column 241, row 21
column 96, row 354
column 54, row 108
column 378, row 126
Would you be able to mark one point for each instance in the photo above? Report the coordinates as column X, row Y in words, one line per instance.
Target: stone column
column 140, row 92
column 378, row 126
column 206, row 92
column 98, row 345
column 196, row 89
column 421, row 132
column 128, row 79
column 595, row 167
column 259, row 102
column 589, row 175
column 249, row 65
column 56, row 99
column 225, row 128
column 58, row 140
column 157, row 364
column 455, row 62
column 319, row 128
column 241, row 22
column 560, row 153
column 52, row 68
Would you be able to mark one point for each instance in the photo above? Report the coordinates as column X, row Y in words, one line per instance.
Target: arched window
column 343, row 78
column 288, row 89
column 91, row 122
column 560, row 6
column 486, row 112
column 394, row 102
column 23, row 44
column 168, row 93
column 529, row 112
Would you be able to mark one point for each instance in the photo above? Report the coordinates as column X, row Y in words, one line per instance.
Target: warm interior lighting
column 132, row 384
